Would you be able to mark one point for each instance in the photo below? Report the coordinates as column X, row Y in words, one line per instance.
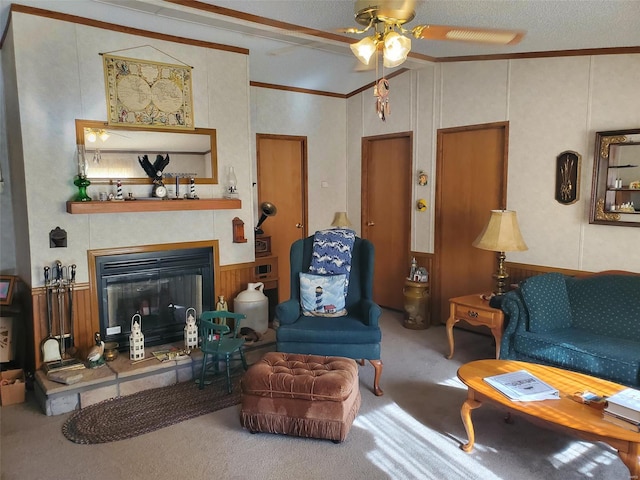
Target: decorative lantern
column 136, row 339
column 190, row 330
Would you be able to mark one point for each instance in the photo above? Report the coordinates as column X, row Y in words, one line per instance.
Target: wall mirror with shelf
column 615, row 195
column 111, row 152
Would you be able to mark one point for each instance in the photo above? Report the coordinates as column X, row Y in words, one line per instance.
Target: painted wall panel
column 60, row 78
column 323, row 121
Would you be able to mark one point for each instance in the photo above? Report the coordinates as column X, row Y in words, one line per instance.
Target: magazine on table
column 522, row 386
column 625, row 403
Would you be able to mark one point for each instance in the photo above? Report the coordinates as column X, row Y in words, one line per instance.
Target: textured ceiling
column 289, row 58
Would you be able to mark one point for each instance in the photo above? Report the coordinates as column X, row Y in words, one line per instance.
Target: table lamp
column 341, row 220
column 501, row 234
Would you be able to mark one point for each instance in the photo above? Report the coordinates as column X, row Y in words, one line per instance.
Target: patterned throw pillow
column 322, row 295
column 547, row 300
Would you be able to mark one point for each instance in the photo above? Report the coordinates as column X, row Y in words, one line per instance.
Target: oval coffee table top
column 563, row 411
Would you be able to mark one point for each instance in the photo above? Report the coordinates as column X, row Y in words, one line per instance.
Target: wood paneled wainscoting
column 230, row 280
column 520, row 271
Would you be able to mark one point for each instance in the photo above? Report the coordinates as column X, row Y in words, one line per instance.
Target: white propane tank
column 255, row 305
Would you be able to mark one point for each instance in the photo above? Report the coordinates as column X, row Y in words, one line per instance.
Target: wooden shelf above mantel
column 130, row 206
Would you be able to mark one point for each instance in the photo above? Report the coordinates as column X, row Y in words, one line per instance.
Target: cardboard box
column 15, row 391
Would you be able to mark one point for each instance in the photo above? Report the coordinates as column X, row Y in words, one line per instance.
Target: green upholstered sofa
column 587, row 324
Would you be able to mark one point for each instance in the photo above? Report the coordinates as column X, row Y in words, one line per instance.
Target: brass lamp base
column 501, row 275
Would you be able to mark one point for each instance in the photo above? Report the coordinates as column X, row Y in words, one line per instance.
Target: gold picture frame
column 148, row 94
column 7, row 285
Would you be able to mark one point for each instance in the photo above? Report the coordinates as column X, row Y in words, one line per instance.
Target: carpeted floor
column 412, row 432
column 150, row 410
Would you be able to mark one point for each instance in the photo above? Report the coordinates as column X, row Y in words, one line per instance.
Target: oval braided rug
column 143, row 412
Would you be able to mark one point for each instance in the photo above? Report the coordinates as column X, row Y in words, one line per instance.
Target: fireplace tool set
column 58, row 350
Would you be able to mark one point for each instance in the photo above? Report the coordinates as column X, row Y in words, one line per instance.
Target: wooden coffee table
column 564, row 414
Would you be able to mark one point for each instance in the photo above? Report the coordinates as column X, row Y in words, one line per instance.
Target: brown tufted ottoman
column 301, row 395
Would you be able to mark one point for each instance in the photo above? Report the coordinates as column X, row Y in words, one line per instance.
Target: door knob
column 370, row 224
column 299, row 225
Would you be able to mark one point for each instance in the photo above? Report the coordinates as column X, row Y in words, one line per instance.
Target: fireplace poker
column 72, row 281
column 59, row 291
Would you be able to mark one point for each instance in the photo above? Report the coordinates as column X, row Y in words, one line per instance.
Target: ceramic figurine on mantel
column 81, row 181
column 192, row 189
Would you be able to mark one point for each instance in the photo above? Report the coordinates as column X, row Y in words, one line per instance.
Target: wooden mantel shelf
column 130, row 206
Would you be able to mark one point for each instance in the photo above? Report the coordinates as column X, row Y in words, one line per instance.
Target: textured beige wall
column 553, row 105
column 322, row 120
column 60, row 78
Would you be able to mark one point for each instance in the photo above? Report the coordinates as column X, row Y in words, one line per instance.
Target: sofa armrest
column 516, row 318
column 288, row 312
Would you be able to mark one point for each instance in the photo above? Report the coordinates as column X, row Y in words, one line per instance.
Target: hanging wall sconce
column 190, row 329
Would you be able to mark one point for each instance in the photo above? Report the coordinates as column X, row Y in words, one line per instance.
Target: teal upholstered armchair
column 356, row 335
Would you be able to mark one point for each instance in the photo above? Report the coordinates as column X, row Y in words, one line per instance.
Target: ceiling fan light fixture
column 364, row 49
column 91, row 136
column 103, row 135
column 396, row 49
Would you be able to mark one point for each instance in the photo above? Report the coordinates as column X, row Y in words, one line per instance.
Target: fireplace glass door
column 160, row 286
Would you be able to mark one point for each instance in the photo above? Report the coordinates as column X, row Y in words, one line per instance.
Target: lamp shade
column 364, row 49
column 396, row 49
column 341, row 220
column 502, row 233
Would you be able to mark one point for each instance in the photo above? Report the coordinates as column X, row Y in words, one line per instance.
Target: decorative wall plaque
column 567, row 176
column 148, row 94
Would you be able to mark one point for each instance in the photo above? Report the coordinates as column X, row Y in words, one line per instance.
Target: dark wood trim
column 545, row 54
column 297, row 90
column 371, row 84
column 122, row 29
column 247, row 17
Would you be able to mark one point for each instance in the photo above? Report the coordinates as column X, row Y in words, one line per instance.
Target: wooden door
column 471, row 179
column 282, row 179
column 386, row 212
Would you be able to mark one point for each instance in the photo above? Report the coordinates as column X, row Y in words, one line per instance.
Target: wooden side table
column 474, row 310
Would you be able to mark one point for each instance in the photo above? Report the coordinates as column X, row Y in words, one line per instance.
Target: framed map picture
column 148, row 94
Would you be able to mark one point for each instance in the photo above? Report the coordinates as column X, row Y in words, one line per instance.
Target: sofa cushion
column 606, row 305
column 546, row 299
column 605, row 357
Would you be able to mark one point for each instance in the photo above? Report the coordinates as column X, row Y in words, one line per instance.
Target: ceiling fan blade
column 468, row 34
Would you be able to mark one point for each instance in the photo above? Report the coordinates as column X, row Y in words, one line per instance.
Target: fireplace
column 160, row 285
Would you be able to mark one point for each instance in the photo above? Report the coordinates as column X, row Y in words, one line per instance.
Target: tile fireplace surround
column 120, row 377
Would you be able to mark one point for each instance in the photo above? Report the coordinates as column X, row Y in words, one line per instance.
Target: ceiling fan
column 386, row 18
